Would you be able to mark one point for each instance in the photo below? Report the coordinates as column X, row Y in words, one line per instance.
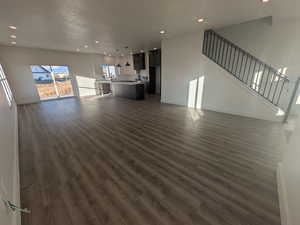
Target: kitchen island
column 128, row 89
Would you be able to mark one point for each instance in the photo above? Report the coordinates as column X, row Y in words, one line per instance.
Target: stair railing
column 257, row 75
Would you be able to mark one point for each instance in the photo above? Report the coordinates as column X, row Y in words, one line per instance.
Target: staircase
column 261, row 78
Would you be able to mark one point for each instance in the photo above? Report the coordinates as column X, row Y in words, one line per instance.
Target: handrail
column 256, row 74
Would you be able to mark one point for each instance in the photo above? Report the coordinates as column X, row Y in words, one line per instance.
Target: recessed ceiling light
column 265, row 1
column 162, row 32
column 13, row 36
column 86, row 46
column 13, row 43
column 200, row 20
column 12, row 27
column 77, row 50
column 97, row 42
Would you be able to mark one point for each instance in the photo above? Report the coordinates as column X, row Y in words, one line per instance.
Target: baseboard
column 282, row 195
column 16, row 220
column 273, row 118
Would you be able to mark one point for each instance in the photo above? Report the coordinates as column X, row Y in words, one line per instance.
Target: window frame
column 112, row 73
column 6, row 87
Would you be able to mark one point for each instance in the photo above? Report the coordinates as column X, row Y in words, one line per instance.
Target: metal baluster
column 216, row 48
column 226, row 55
column 250, row 64
column 211, row 44
column 272, row 81
column 219, row 50
column 237, row 63
column 223, row 51
column 279, row 78
column 280, row 91
column 247, row 58
column 233, row 61
column 229, row 64
column 208, row 43
column 257, row 77
column 251, row 83
column 267, row 81
column 243, row 54
column 262, row 78
column 204, row 43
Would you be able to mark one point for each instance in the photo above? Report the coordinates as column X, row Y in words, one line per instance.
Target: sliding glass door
column 52, row 81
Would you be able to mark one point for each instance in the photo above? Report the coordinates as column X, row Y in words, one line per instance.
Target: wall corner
column 282, row 196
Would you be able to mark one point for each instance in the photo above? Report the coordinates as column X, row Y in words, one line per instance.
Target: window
column 109, row 71
column 5, row 86
column 52, row 81
column 282, row 72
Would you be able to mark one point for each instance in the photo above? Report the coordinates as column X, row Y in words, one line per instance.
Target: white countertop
column 120, row 82
column 104, row 81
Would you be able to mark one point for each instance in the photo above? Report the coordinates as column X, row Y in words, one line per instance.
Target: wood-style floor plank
column 113, row 161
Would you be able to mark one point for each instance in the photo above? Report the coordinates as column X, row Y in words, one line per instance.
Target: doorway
column 154, row 72
column 52, row 81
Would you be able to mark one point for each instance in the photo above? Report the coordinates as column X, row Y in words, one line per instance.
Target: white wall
column 17, row 61
column 9, row 172
column 183, row 62
column 274, row 42
column 289, row 176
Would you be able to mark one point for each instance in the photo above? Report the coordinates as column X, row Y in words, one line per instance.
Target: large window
column 5, row 86
column 52, row 81
column 109, row 71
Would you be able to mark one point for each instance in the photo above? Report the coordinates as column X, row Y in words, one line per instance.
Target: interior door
column 152, row 80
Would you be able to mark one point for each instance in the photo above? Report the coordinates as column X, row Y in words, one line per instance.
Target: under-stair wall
column 185, row 69
column 274, row 42
column 271, row 84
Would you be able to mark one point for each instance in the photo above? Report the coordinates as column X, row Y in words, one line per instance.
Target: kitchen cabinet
column 139, row 61
column 155, row 58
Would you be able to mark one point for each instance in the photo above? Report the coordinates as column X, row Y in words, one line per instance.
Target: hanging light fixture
column 118, row 55
column 127, row 63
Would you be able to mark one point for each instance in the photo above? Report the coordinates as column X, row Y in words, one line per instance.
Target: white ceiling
column 70, row 24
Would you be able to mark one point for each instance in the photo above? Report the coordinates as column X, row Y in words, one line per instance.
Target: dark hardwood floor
column 114, row 161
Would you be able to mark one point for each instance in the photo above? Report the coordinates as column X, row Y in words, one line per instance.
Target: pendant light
column 127, row 63
column 119, row 65
column 118, row 55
